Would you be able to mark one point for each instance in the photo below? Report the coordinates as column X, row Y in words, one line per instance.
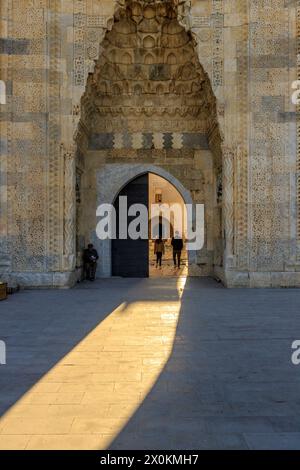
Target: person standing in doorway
column 90, row 258
column 177, row 244
column 159, row 249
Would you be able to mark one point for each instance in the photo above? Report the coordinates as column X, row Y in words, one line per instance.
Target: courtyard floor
column 150, row 364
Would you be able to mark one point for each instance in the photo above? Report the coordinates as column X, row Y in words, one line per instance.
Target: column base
column 265, row 279
column 58, row 280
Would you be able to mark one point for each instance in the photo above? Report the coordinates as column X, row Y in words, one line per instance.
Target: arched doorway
column 168, row 221
column 135, row 257
column 130, row 258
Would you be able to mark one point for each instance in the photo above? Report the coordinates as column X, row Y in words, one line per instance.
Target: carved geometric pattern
column 79, row 42
column 69, row 208
column 228, row 194
column 158, row 140
column 7, row 218
column 241, row 165
column 54, row 169
column 139, row 140
column 96, row 21
column 218, row 43
column 201, row 22
column 270, row 141
column 118, row 141
column 177, row 141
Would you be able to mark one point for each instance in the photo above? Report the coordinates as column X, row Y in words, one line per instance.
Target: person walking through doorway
column 90, row 258
column 159, row 249
column 177, row 244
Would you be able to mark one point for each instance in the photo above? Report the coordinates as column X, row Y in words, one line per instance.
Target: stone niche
column 149, row 101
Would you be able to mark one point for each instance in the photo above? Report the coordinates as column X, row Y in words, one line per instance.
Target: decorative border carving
column 79, row 16
column 68, row 156
column 6, row 161
column 298, row 135
column 241, row 246
column 228, row 204
column 54, row 130
column 217, row 21
column 148, row 140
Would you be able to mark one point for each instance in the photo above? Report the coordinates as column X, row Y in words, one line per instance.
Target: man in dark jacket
column 90, row 258
column 177, row 245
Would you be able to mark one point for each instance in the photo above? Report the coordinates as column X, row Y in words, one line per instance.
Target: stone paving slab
column 155, row 363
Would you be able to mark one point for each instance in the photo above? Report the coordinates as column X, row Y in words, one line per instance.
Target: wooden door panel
column 130, row 258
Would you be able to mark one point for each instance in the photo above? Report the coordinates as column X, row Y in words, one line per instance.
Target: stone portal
column 150, row 102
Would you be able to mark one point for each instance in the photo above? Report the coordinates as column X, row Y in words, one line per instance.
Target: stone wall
column 248, row 51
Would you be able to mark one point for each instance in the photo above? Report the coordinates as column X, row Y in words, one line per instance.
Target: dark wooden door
column 130, row 258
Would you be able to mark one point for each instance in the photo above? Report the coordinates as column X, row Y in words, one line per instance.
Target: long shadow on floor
column 41, row 327
column 229, row 382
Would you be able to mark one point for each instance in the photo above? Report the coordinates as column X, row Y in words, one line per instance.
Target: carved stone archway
column 150, row 102
column 110, row 181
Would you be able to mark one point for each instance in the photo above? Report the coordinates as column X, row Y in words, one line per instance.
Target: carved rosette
column 69, row 231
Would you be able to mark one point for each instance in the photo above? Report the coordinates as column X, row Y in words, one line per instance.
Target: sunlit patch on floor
column 91, row 394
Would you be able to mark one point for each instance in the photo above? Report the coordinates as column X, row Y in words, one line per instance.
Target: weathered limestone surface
column 200, row 89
